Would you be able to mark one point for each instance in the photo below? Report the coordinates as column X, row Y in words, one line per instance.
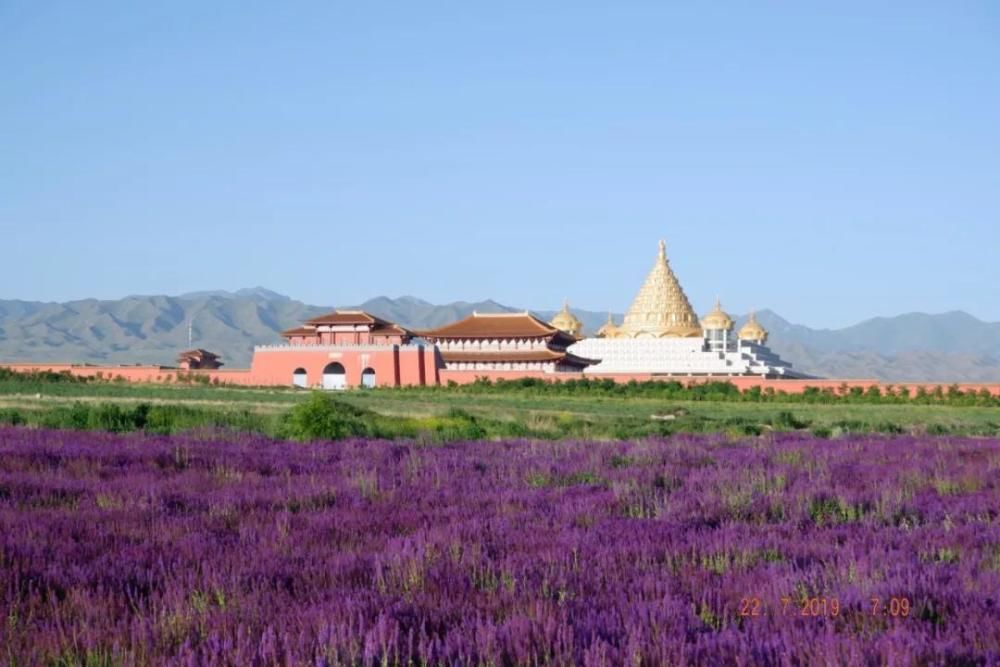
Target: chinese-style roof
column 299, row 331
column 514, row 356
column 390, row 329
column 197, row 354
column 347, row 317
column 377, row 325
column 494, row 325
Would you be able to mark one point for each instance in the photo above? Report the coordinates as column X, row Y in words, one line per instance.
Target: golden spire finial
column 663, row 250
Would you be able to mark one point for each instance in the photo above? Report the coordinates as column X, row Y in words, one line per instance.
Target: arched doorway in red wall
column 334, row 376
column 300, row 378
column 368, row 378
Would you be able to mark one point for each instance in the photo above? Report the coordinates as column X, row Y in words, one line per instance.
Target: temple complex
column 662, row 335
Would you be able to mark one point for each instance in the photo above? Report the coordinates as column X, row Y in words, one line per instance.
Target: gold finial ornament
column 609, row 329
column 567, row 321
column 661, row 309
column 753, row 331
column 717, row 319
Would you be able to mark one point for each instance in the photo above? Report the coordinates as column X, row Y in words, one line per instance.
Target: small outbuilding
column 198, row 359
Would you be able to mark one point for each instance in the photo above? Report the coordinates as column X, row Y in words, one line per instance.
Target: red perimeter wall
column 394, row 367
column 421, row 366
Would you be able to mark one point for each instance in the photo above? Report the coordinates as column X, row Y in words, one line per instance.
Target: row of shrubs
column 40, row 377
column 727, row 391
column 323, row 417
column 153, row 418
column 319, row 417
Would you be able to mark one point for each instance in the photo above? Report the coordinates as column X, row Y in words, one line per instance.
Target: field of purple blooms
column 775, row 550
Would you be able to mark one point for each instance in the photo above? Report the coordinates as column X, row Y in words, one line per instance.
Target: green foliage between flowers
column 727, row 391
column 153, row 418
column 322, row 417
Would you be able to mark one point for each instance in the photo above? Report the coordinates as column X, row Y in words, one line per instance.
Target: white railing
column 338, row 347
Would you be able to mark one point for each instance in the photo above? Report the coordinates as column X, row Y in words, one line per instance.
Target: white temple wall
column 676, row 356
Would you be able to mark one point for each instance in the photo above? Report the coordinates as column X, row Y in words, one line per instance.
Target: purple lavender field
column 145, row 550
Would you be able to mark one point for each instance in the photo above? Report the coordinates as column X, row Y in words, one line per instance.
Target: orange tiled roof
column 494, row 325
column 299, row 331
column 390, row 329
column 346, row 317
column 377, row 325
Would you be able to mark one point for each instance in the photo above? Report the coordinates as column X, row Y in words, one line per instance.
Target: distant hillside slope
column 948, row 347
column 146, row 329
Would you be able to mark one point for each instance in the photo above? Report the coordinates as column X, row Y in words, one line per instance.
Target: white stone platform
column 679, row 356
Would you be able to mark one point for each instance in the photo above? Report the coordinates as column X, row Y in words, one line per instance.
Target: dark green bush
column 11, row 417
column 324, row 418
column 788, row 421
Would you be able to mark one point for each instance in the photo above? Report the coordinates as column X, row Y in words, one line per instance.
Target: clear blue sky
column 832, row 161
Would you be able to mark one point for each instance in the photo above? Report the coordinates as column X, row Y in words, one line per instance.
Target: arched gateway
column 334, row 376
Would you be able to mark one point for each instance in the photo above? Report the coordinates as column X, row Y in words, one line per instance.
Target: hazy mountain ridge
column 947, row 347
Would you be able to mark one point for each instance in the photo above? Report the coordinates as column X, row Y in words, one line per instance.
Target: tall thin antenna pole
column 190, row 331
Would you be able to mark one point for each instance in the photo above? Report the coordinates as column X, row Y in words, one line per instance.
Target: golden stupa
column 717, row 319
column 609, row 329
column 567, row 321
column 752, row 330
column 661, row 309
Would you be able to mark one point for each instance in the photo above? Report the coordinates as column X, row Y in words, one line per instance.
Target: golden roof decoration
column 661, row 309
column 567, row 321
column 752, row 330
column 717, row 319
column 609, row 329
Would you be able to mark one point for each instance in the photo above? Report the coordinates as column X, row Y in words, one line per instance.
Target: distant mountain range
column 948, row 347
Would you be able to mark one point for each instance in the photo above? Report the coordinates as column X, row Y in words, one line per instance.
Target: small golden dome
column 567, row 321
column 609, row 329
column 717, row 319
column 752, row 330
